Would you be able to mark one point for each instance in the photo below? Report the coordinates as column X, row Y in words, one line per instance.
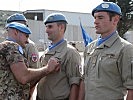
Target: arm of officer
column 25, row 75
column 81, row 91
column 130, row 95
column 74, row 92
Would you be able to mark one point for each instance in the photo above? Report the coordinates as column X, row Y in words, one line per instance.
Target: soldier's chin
column 49, row 38
column 97, row 32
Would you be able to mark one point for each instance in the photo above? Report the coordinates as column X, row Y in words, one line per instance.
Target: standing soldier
column 62, row 85
column 30, row 51
column 108, row 59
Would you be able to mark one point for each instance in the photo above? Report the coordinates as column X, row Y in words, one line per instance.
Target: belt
column 64, row 99
column 37, row 98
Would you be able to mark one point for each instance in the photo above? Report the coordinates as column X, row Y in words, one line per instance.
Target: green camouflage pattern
column 10, row 88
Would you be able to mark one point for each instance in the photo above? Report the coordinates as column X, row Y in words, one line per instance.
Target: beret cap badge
column 104, row 5
column 51, row 18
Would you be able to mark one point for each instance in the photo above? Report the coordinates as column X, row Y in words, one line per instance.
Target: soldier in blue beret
column 64, row 84
column 15, row 76
column 21, row 28
column 30, row 51
column 17, row 17
column 55, row 17
column 108, row 63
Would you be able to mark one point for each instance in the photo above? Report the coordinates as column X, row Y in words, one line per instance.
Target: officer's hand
column 53, row 65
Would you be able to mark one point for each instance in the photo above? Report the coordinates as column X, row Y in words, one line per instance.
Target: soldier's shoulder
column 30, row 45
column 8, row 44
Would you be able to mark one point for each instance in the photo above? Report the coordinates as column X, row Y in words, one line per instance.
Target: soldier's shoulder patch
column 34, row 57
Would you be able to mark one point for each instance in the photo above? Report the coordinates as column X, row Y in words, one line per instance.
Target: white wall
column 129, row 36
column 74, row 18
column 73, row 31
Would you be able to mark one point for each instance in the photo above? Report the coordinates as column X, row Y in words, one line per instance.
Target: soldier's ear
column 116, row 19
column 16, row 31
column 61, row 27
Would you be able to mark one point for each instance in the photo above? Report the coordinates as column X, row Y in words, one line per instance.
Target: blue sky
column 84, row 6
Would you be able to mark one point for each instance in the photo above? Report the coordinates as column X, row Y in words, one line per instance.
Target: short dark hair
column 64, row 23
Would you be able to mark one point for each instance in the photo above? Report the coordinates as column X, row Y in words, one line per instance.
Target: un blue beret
column 21, row 27
column 55, row 17
column 108, row 7
column 16, row 17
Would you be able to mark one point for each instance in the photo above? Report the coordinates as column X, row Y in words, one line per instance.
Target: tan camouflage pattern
column 10, row 88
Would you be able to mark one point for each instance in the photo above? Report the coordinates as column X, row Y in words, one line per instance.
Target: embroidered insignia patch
column 34, row 57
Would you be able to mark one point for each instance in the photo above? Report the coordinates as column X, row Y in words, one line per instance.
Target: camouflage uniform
column 32, row 55
column 10, row 88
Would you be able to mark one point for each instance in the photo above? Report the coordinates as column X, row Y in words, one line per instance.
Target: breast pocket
column 48, row 56
column 90, row 63
column 108, row 62
column 45, row 58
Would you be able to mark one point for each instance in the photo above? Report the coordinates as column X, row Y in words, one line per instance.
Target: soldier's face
column 103, row 24
column 22, row 39
column 52, row 30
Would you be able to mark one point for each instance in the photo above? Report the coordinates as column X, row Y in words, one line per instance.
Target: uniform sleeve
column 13, row 55
column 127, row 66
column 73, row 66
column 32, row 55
